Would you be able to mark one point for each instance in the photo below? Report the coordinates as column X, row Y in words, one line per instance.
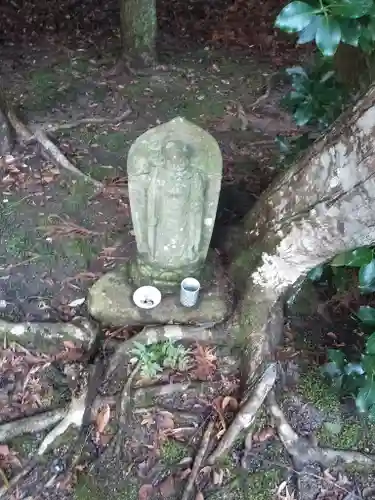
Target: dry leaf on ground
column 145, row 492
column 102, row 418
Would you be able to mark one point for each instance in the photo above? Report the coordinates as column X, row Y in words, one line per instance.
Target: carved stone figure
column 174, row 173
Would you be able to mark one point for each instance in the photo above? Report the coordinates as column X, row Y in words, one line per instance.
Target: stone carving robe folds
column 174, row 173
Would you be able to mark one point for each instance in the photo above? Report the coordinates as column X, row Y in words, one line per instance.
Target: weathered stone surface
column 174, row 173
column 110, row 301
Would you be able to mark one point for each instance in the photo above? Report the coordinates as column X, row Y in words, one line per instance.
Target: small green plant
column 153, row 358
column 317, row 98
column 354, row 375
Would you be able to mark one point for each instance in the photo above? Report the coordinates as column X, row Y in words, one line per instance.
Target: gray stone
column 110, row 302
column 174, row 175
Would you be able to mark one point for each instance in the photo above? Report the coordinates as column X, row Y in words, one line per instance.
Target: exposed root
column 198, row 461
column 28, row 425
column 247, row 413
column 84, row 331
column 125, row 397
column 55, row 127
column 50, row 149
column 13, row 482
column 155, row 334
column 303, row 452
column 74, row 416
column 145, row 395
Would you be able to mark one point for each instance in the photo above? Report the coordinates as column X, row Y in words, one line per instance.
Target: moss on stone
column 314, row 389
column 257, row 486
column 88, row 489
column 172, row 452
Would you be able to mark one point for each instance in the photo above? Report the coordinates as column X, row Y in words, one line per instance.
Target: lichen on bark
column 138, row 29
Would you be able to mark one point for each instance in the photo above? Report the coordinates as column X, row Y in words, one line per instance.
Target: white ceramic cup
column 189, row 292
column 147, row 297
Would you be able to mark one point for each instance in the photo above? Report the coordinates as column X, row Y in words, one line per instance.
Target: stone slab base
column 110, row 302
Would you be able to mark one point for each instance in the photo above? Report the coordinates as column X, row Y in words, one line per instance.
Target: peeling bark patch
column 367, row 121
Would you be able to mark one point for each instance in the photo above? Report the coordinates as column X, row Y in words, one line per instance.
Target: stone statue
column 174, row 173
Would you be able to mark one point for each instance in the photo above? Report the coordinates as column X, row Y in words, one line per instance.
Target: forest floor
column 59, row 234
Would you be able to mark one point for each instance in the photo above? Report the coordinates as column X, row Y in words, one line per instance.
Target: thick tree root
column 247, row 413
column 303, row 452
column 50, row 150
column 28, row 332
column 198, row 461
column 28, row 425
column 56, row 127
column 74, row 416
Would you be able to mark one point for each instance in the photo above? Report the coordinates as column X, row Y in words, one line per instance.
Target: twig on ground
column 55, row 127
column 246, row 415
column 198, row 461
column 48, row 146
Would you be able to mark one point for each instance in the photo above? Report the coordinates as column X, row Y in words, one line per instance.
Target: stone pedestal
column 110, row 301
column 174, row 177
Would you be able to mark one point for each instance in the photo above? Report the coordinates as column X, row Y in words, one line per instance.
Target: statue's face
column 177, row 152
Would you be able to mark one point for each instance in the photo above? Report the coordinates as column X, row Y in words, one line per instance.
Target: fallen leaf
column 199, row 496
column 230, row 402
column 167, row 487
column 165, row 420
column 77, row 302
column 102, row 418
column 184, row 474
column 265, row 434
column 145, row 492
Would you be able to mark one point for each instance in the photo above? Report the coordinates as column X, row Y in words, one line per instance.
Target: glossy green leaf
column 370, row 344
column 316, row 273
column 303, row 114
column 354, row 258
column 336, row 356
column 328, row 36
column 351, row 8
column 354, row 369
column 366, row 314
column 331, row 370
column 308, row 34
column 296, row 71
column 366, row 277
column 366, row 396
column 368, row 363
column 295, row 17
column 342, row 279
column 350, row 33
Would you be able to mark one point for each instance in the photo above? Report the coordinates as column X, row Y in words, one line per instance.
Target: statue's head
column 178, row 153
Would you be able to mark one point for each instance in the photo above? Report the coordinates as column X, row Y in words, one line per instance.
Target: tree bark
column 322, row 206
column 138, row 30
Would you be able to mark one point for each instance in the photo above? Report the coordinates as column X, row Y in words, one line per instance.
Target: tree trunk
column 138, row 30
column 322, row 206
column 6, row 132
